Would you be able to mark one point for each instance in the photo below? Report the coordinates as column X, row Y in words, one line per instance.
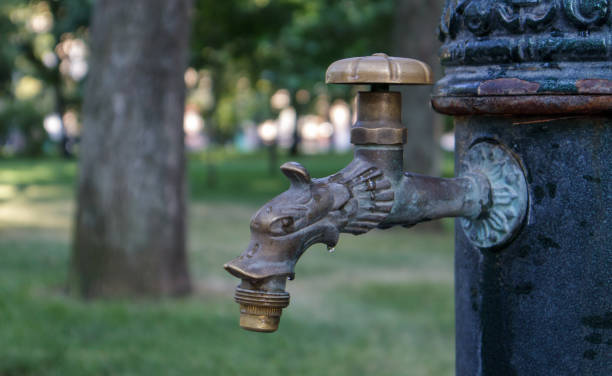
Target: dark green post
column 535, row 76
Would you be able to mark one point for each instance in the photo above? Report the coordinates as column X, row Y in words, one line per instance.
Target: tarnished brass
column 378, row 136
column 379, row 109
column 379, row 116
column 378, row 69
column 260, row 311
column 372, row 191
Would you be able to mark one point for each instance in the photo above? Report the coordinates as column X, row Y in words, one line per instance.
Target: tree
column 414, row 35
column 283, row 43
column 69, row 16
column 129, row 236
column 35, row 47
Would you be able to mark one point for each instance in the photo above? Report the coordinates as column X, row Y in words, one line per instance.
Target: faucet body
column 372, row 191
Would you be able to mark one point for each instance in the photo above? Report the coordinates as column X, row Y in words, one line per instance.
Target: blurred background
column 106, row 106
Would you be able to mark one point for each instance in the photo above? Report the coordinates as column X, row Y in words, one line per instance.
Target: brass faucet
column 372, row 191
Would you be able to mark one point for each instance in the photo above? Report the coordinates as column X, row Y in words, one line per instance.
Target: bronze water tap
column 372, row 191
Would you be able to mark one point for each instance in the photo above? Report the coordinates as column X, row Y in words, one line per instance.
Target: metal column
column 535, row 76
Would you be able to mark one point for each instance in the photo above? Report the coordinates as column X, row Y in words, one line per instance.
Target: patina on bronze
column 373, row 191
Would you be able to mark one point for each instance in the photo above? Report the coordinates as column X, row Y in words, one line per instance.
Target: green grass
column 249, row 177
column 222, row 174
column 381, row 304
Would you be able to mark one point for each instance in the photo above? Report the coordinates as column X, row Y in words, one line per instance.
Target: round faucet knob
column 379, row 69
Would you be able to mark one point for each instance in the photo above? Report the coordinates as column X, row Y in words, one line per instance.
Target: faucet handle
column 379, row 69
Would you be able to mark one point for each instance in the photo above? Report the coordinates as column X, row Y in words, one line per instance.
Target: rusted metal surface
column 524, row 105
column 507, row 86
column 545, row 78
column 540, row 57
column 594, row 86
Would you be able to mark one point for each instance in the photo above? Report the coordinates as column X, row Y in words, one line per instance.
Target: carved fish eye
column 282, row 226
column 287, row 221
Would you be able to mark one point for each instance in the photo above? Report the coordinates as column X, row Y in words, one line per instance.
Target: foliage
column 25, row 116
column 34, row 79
column 288, row 42
column 253, row 47
column 243, row 51
column 7, row 50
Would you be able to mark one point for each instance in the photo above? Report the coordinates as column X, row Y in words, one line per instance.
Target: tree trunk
column 130, row 222
column 414, row 35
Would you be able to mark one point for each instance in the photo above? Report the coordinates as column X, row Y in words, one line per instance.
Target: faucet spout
column 354, row 200
column 261, row 303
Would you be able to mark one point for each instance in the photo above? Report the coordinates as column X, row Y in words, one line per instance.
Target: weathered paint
column 543, row 304
column 536, row 76
column 594, row 86
column 540, row 105
column 507, row 86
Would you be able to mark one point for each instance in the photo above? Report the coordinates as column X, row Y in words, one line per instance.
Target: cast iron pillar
column 535, row 77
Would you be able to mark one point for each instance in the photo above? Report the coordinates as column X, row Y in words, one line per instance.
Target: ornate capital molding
column 572, row 25
column 507, row 48
column 484, row 17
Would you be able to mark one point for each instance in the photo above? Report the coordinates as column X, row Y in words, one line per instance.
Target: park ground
column 381, row 304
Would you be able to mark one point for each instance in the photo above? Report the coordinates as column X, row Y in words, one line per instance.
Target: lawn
column 380, row 305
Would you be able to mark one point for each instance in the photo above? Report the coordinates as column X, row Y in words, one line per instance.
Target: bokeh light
column 267, row 131
column 280, row 99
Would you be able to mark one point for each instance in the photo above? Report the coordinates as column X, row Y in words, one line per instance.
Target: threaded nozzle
column 260, row 311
